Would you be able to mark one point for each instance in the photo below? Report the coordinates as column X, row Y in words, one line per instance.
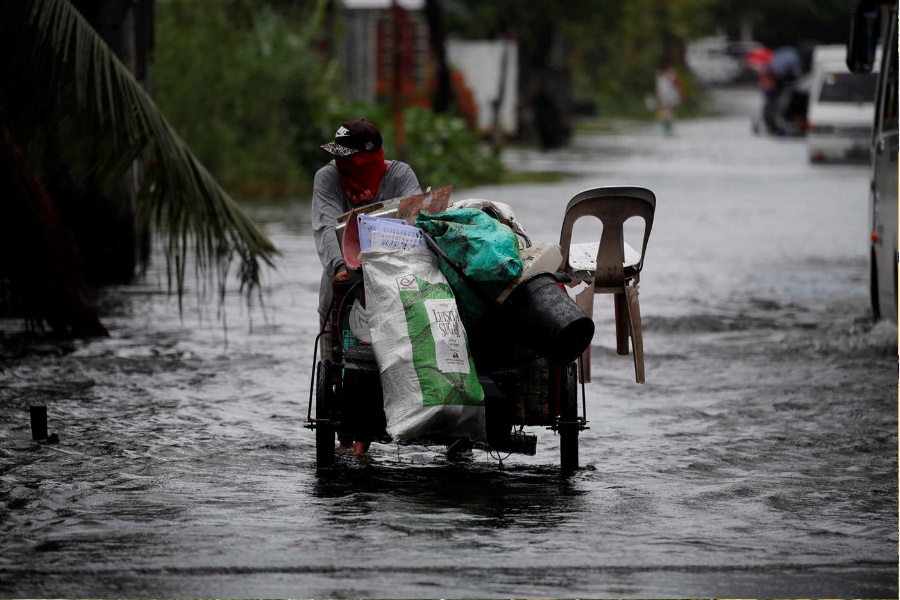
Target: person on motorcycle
column 782, row 72
column 358, row 175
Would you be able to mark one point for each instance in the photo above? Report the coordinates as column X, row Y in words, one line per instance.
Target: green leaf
column 69, row 95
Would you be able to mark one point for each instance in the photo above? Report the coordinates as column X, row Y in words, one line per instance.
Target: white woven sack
column 428, row 378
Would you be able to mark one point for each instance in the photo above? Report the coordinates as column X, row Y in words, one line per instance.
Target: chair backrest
column 613, row 205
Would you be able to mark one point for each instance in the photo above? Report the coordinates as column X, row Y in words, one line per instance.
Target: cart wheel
column 568, row 430
column 325, row 432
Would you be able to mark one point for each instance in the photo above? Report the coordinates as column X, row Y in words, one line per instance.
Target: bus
column 874, row 24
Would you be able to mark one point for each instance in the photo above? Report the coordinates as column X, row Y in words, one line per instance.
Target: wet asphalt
column 758, row 460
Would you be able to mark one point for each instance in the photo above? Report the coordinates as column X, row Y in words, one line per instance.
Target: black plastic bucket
column 550, row 323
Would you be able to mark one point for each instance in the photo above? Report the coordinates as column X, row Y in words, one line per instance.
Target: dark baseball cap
column 355, row 135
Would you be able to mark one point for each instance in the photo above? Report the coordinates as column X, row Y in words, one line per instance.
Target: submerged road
column 759, row 459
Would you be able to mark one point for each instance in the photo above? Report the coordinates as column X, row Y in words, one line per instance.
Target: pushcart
column 522, row 389
column 531, row 353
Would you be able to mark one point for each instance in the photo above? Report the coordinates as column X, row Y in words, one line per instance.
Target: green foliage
column 617, row 70
column 242, row 87
column 615, row 47
column 443, row 150
column 612, row 48
column 247, row 88
column 74, row 100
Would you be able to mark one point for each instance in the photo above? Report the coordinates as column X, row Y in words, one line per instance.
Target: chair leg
column 634, row 317
column 585, row 300
column 622, row 327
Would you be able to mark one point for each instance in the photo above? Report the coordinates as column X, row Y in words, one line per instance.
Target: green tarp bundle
column 487, row 251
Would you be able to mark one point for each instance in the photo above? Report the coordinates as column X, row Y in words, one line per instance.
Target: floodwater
column 759, row 459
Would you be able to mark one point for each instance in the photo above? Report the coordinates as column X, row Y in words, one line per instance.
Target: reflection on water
column 486, row 497
column 759, row 459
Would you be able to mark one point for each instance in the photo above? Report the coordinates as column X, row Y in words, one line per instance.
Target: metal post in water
column 38, row 422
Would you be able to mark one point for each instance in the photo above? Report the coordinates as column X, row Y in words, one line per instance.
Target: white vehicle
column 841, row 108
column 719, row 61
column 875, row 22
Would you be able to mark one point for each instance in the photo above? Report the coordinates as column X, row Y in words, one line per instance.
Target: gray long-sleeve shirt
column 329, row 202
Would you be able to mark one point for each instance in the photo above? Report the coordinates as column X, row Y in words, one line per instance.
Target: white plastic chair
column 613, row 271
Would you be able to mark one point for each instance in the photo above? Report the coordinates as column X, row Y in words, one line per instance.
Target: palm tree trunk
column 38, row 251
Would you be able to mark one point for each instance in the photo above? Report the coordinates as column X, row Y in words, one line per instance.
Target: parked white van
column 841, row 108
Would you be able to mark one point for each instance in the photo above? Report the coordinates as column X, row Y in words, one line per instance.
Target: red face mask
column 361, row 175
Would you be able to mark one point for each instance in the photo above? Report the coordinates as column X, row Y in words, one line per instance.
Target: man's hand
column 341, row 275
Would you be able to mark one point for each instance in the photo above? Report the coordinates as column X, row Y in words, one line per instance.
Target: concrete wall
column 480, row 62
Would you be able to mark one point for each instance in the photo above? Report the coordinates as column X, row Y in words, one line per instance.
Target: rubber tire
column 568, row 434
column 325, row 433
column 873, row 287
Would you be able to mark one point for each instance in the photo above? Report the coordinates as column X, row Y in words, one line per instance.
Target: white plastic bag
column 427, row 375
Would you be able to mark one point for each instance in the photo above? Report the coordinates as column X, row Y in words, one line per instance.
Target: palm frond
column 67, row 93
